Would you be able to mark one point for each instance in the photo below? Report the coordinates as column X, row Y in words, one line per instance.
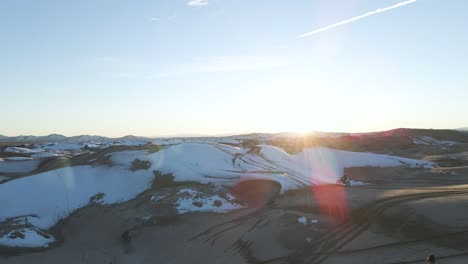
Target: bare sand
column 402, row 216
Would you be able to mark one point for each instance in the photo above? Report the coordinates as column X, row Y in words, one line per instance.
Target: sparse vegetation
column 140, row 165
column 96, row 198
column 393, row 142
column 55, row 163
column 167, row 180
column 250, row 143
column 16, row 234
column 197, row 204
column 162, row 180
column 104, row 160
column 153, row 148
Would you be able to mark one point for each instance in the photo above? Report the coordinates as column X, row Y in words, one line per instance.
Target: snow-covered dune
column 21, row 150
column 224, row 164
column 324, row 165
column 55, row 194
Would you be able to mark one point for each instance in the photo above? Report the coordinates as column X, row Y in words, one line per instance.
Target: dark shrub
column 198, row 204
column 140, row 165
column 162, row 180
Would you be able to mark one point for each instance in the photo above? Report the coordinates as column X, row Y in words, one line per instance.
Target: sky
column 218, row 67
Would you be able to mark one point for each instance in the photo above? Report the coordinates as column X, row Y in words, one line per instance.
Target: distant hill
column 57, row 137
column 442, row 134
column 29, row 138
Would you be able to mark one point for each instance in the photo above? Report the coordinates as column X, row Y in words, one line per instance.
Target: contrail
column 347, row 21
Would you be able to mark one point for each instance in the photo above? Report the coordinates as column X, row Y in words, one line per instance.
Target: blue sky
column 170, row 67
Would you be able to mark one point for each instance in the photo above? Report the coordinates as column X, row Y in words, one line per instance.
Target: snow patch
column 304, row 220
column 18, row 166
column 426, row 140
column 20, row 150
column 68, row 189
column 18, row 158
column 156, row 198
column 63, row 146
column 357, row 183
column 26, row 237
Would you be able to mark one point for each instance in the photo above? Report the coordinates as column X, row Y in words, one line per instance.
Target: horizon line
column 235, row 134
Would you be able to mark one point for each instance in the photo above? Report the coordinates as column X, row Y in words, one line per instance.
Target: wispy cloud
column 154, row 19
column 350, row 20
column 115, row 67
column 197, row 2
column 236, row 63
column 157, row 19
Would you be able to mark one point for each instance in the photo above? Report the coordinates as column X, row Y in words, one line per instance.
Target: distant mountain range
column 94, row 138
column 58, row 137
column 91, row 138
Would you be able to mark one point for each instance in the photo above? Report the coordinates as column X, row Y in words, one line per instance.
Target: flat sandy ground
column 402, row 216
